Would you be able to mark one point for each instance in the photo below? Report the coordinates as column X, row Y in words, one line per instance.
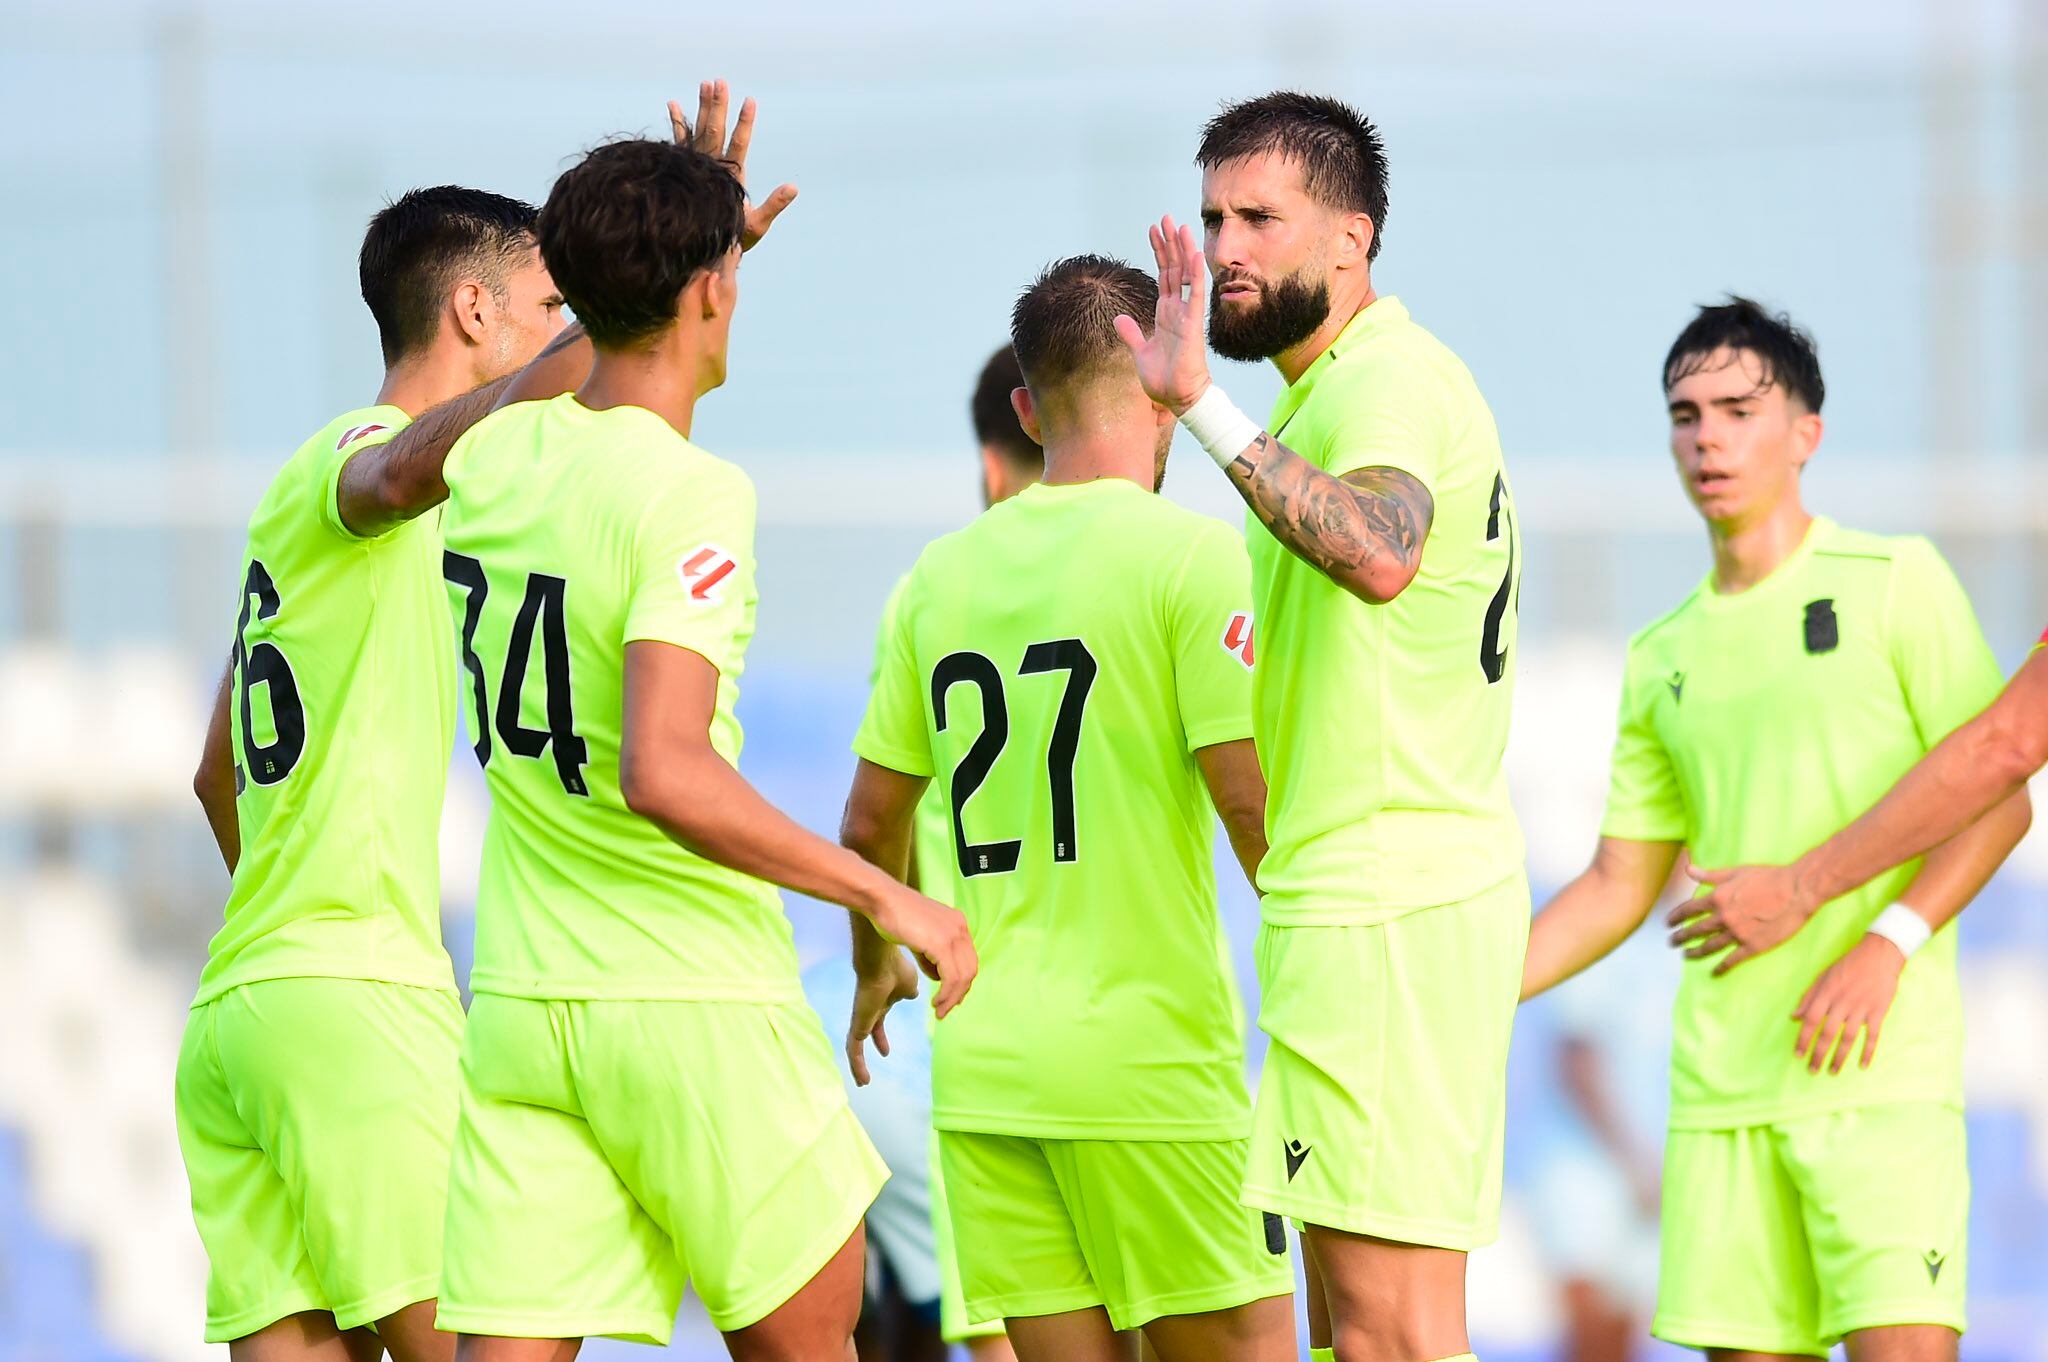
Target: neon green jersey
column 1381, row 727
column 342, row 718
column 931, row 846
column 1752, row 727
column 572, row 533
column 1056, row 665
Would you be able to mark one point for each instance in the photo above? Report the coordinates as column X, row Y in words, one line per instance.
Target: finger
column 926, row 964
column 881, row 1036
column 1198, row 273
column 742, row 136
column 949, row 991
column 1707, row 926
column 1129, row 332
column 763, row 217
column 1158, row 254
column 1690, row 909
column 1848, row 1045
column 1809, row 1029
column 1735, row 957
column 1701, row 875
column 678, row 126
column 1822, row 1047
column 856, row 1060
column 1710, row 946
column 1870, row 1041
column 1806, row 998
column 711, row 97
column 1170, row 279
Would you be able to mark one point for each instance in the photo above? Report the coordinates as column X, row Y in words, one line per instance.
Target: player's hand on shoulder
column 937, row 936
column 1851, row 996
column 708, row 135
column 877, row 989
column 1750, row 908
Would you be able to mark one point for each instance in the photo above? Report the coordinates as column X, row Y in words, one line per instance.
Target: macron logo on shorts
column 704, row 572
column 1237, row 637
column 354, row 433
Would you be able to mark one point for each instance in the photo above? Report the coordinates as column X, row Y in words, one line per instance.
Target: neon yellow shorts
column 1381, row 1107
column 954, row 1326
column 1143, row 1228
column 1783, row 1238
column 608, row 1151
column 315, row 1117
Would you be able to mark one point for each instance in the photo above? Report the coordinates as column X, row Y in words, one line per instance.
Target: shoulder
column 1649, row 644
column 1845, row 544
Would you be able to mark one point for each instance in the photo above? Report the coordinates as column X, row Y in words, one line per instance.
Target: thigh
column 1019, row 1251
column 1390, row 1299
column 1897, row 1259
column 351, row 1088
column 816, row 1322
column 729, row 1124
column 544, row 1239
column 1072, row 1336
column 1381, row 1108
column 1162, row 1228
column 1734, row 1269
column 258, row 1271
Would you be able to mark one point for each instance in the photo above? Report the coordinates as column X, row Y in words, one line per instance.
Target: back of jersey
column 570, row 534
column 341, row 717
column 1055, row 666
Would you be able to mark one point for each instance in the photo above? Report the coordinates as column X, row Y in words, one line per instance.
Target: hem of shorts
column 1770, row 1114
column 1174, row 1132
column 438, row 983
column 1351, row 1220
column 1892, row 1317
column 1227, row 1296
column 592, row 1323
column 259, row 1317
column 1029, row 1304
column 556, row 991
column 766, row 1301
column 369, row 1309
column 1693, row 1334
column 992, row 1328
column 1329, row 910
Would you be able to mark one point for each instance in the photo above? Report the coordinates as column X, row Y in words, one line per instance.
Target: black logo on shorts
column 1934, row 1263
column 1297, row 1154
column 1823, row 633
column 1276, row 1234
column 1677, row 683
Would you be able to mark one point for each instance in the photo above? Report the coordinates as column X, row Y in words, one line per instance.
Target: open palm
column 1172, row 363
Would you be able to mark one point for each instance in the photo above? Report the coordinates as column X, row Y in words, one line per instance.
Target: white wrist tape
column 1219, row 426
column 1902, row 927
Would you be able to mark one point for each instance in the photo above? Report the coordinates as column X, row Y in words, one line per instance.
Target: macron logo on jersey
column 704, row 572
column 354, row 433
column 1237, row 637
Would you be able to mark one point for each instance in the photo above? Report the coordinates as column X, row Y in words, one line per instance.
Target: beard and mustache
column 1286, row 314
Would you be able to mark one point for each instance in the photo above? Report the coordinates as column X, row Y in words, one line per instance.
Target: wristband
column 1219, row 427
column 1902, row 927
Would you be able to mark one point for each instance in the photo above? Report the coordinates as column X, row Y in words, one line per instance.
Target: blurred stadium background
column 187, row 184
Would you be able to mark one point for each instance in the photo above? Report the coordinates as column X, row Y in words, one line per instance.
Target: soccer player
column 1384, row 573
column 645, row 1095
column 1074, row 670
column 1810, row 668
column 316, row 1084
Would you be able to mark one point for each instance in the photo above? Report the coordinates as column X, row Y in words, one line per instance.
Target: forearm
column 1363, row 531
column 1588, row 918
column 1955, row 871
column 389, row 484
column 214, row 782
column 1248, row 844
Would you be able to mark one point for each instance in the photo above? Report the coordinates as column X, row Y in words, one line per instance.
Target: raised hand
column 708, row 135
column 1173, row 362
column 1751, row 907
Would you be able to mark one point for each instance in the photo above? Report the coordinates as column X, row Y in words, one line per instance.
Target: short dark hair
column 1784, row 353
column 995, row 419
column 629, row 225
column 1065, row 323
column 1343, row 161
column 420, row 243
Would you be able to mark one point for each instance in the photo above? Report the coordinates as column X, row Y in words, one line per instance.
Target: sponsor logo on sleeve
column 704, row 571
column 1237, row 637
column 355, row 433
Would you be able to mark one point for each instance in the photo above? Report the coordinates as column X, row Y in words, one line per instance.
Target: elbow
column 1378, row 583
column 2015, row 751
column 648, row 793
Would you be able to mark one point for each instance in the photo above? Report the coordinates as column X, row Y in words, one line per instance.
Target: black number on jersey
column 265, row 665
column 1069, row 655
column 1493, row 659
column 544, row 608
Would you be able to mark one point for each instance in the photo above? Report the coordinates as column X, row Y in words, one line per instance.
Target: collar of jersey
column 1773, row 582
column 1380, row 313
column 1040, row 491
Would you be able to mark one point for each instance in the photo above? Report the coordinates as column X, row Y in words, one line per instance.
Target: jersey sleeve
column 1644, row 802
column 347, row 445
column 1209, row 619
column 1382, row 415
column 692, row 566
column 892, row 733
column 1938, row 649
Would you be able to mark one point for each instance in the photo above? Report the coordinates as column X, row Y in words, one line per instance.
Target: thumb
column 1130, row 333
column 1702, row 875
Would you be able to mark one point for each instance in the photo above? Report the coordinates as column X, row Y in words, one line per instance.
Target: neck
column 427, row 380
column 657, row 378
column 1090, row 456
column 1746, row 552
column 1346, row 302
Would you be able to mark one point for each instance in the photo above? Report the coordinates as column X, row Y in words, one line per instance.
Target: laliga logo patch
column 354, row 433
column 704, row 572
column 1237, row 637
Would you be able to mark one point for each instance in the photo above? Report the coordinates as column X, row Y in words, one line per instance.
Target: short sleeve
column 1387, row 414
column 347, row 445
column 892, row 732
column 1644, row 802
column 1210, row 619
column 1944, row 665
column 693, row 566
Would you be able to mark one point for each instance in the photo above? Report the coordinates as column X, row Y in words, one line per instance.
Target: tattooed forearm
column 1364, row 530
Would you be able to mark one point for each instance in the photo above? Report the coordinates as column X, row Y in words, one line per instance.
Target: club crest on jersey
column 1237, row 637
column 704, row 570
column 354, row 433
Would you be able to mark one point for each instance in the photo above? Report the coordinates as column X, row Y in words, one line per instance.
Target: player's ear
column 1354, row 244
column 1027, row 413
column 1806, row 433
column 473, row 305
